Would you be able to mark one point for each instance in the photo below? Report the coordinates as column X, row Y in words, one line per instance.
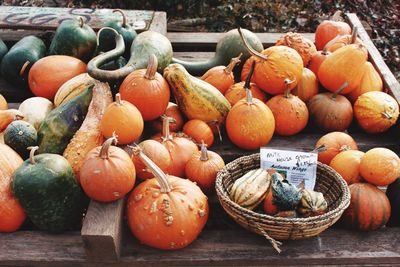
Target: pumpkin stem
column 334, row 95
column 106, row 146
column 232, row 64
column 354, row 35
column 287, row 82
column 215, row 122
column 337, row 16
column 23, row 68
column 124, row 20
column 330, row 43
column 32, row 150
column 80, row 21
column 344, row 148
column 250, row 49
column 320, row 149
column 204, row 152
column 161, row 177
column 152, row 65
column 102, row 29
column 118, row 99
column 247, row 85
column 166, row 121
column 387, row 115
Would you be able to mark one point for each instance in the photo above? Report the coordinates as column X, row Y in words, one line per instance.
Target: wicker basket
column 329, row 182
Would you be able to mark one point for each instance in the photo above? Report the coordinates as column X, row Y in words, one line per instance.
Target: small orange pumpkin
column 268, row 205
column 107, row 173
column 344, row 40
column 329, row 29
column 147, row 90
column 9, row 115
column 380, row 166
column 334, row 143
column 237, row 92
column 298, row 42
column 221, row 77
column 317, row 59
column 307, row 87
column 124, row 119
column 347, row 164
column 172, row 111
column 203, row 167
column 199, row 131
column 376, row 111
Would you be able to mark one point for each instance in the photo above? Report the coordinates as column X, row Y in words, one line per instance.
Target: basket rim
column 222, row 196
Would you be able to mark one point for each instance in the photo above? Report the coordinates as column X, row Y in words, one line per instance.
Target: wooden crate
column 106, row 241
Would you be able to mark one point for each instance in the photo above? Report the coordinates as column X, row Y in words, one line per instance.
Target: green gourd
column 19, row 135
column 286, row 196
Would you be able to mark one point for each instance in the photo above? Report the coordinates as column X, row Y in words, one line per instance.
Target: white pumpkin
column 35, row 109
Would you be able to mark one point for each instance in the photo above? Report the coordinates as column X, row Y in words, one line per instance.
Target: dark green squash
column 107, row 38
column 3, row 50
column 144, row 45
column 228, row 47
column 19, row 135
column 17, row 62
column 393, row 194
column 61, row 123
column 46, row 188
column 285, row 195
column 74, row 38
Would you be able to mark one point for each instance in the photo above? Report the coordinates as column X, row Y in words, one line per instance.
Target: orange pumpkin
column 172, row 111
column 298, row 42
column 179, row 146
column 107, row 173
column 369, row 208
column 307, row 87
column 290, row 113
column 49, row 73
column 347, row 164
column 334, row 143
column 166, row 212
column 221, row 77
column 345, row 65
column 331, row 111
column 157, row 153
column 380, row 166
column 329, row 29
column 203, row 167
column 199, row 131
column 344, row 40
column 3, row 103
column 250, row 123
column 317, row 59
column 371, row 81
column 376, row 111
column 147, row 90
column 11, row 213
column 236, row 92
column 246, row 69
column 269, row 207
column 274, row 65
column 9, row 115
column 124, row 119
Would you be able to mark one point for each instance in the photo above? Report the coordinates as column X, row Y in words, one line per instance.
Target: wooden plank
column 102, row 230
column 389, row 80
column 48, row 18
column 158, row 23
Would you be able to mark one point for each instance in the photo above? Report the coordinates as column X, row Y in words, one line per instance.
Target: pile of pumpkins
column 73, row 125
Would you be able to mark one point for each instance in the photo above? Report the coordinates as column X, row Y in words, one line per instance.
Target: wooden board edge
column 159, row 23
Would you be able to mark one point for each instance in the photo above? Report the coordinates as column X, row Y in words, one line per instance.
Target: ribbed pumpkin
column 380, row 166
column 376, row 111
column 172, row 111
column 334, row 143
column 274, row 65
column 107, row 173
column 199, row 131
column 371, row 81
column 11, row 213
column 329, row 29
column 298, row 42
column 312, row 203
column 369, row 208
column 344, row 40
column 343, row 66
column 124, row 119
column 331, row 111
column 179, row 146
column 307, row 87
column 290, row 113
column 203, row 167
column 236, row 92
column 347, row 164
column 250, row 123
column 317, row 59
column 147, row 90
column 221, row 77
column 166, row 212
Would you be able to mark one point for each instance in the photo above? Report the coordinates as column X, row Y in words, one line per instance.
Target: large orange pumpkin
column 334, row 143
column 147, row 90
column 369, row 208
column 376, row 111
column 172, row 111
column 380, row 166
column 273, row 66
column 11, row 213
column 166, row 212
column 298, row 42
column 49, row 73
column 329, row 29
column 123, row 119
column 237, row 92
column 307, row 87
column 344, row 40
column 347, row 164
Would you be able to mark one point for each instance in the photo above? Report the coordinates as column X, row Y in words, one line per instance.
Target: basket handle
column 275, row 244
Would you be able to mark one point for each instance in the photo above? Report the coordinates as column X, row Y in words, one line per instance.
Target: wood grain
column 158, row 23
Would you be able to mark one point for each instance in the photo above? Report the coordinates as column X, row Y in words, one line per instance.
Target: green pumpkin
column 74, row 38
column 3, row 50
column 19, row 135
column 46, row 188
column 61, row 123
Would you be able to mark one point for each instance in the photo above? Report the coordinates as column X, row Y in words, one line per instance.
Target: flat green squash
column 19, row 135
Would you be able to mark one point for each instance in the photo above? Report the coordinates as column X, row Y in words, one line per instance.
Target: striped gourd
column 249, row 190
column 196, row 98
column 312, row 203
